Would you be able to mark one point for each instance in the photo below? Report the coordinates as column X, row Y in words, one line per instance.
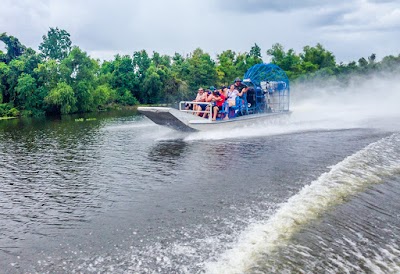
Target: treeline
column 62, row 79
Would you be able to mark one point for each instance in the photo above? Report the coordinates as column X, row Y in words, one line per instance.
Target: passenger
column 224, row 91
column 209, row 99
column 242, row 88
column 219, row 100
column 201, row 97
column 232, row 94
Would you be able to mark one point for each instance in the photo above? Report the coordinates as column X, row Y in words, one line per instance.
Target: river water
column 315, row 193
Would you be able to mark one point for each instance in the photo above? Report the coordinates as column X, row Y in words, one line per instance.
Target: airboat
column 267, row 97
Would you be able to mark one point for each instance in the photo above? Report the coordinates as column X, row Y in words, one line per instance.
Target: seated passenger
column 232, row 94
column 224, row 90
column 201, row 97
column 209, row 98
column 219, row 100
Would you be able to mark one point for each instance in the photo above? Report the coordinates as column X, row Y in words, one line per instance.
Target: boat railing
column 184, row 104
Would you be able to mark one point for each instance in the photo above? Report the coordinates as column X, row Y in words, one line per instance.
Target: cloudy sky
column 349, row 28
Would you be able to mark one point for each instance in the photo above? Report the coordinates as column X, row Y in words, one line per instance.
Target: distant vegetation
column 62, row 79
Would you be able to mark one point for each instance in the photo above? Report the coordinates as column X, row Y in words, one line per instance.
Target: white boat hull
column 185, row 121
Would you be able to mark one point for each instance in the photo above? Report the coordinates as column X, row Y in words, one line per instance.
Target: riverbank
column 107, row 109
column 7, row 118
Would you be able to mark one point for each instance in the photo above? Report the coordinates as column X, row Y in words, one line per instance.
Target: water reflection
column 50, row 175
column 167, row 151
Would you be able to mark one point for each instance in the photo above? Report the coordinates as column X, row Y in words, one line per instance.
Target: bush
column 4, row 109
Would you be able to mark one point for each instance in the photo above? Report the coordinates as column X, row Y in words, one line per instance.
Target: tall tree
column 319, row 56
column 202, row 71
column 289, row 61
column 78, row 70
column 152, row 85
column 62, row 98
column 56, row 44
column 26, row 91
column 254, row 56
column 226, row 68
column 13, row 46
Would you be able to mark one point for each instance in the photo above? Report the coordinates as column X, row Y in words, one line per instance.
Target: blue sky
column 349, row 28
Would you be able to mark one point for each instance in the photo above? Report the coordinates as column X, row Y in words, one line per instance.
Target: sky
column 350, row 29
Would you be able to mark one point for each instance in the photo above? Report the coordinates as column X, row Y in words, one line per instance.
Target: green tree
column 390, row 63
column 17, row 67
column 289, row 61
column 78, row 70
column 123, row 78
column 56, row 44
column 13, row 46
column 4, row 71
column 254, row 56
column 102, row 95
column 226, row 68
column 25, row 91
column 62, row 99
column 202, row 70
column 161, row 60
column 152, row 86
column 319, row 56
column 141, row 63
column 48, row 74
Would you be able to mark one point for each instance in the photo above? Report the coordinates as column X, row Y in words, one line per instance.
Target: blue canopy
column 267, row 73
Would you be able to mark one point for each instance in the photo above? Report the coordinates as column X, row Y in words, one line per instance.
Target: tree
column 56, row 44
column 78, row 70
column 4, row 71
column 161, row 60
column 318, row 56
column 102, row 95
column 25, row 91
column 202, row 71
column 141, row 63
column 226, row 68
column 16, row 68
column 13, row 46
column 48, row 74
column 123, row 78
column 152, row 86
column 254, row 56
column 289, row 61
column 62, row 98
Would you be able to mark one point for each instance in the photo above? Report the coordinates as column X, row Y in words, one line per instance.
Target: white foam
column 366, row 167
column 367, row 103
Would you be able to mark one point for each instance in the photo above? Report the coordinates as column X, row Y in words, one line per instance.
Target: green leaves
column 13, row 46
column 56, row 44
column 63, row 98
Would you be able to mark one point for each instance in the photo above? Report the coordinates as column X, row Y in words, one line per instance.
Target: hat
column 238, row 79
column 212, row 88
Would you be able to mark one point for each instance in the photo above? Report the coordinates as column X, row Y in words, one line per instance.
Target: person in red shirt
column 219, row 100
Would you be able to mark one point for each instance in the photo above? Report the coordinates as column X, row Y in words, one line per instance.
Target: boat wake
column 371, row 103
column 367, row 167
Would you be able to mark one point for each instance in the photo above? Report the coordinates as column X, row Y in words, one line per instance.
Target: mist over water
column 365, row 103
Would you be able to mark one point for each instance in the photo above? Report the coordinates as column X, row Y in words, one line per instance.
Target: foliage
column 62, row 98
column 64, row 79
column 13, row 46
column 56, row 44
